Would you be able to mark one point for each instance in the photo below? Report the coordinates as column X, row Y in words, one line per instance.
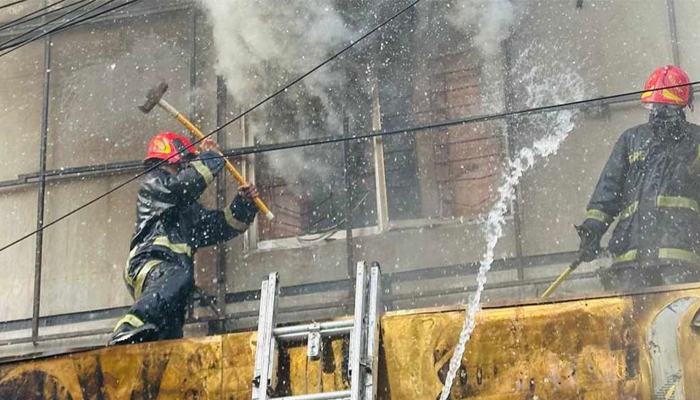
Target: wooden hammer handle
column 236, row 175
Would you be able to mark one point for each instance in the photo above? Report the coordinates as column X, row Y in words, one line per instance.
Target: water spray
column 558, row 125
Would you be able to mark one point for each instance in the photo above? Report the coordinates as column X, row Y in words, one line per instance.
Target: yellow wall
column 586, row 349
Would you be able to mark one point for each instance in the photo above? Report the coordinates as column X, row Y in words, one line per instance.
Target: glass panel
column 436, row 174
column 21, row 89
column 205, row 98
column 84, row 255
column 555, row 193
column 101, row 73
column 17, row 263
column 308, row 190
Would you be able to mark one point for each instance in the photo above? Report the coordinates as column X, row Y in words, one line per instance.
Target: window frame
column 252, row 242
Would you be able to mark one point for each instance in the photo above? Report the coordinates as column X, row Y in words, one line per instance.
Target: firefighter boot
column 127, row 334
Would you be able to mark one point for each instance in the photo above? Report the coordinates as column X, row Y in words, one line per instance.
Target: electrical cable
column 241, row 151
column 23, row 19
column 4, row 45
column 80, row 21
column 260, row 103
column 324, row 234
column 12, row 4
column 69, row 24
column 72, row 23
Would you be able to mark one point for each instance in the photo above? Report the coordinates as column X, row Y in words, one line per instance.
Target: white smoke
column 261, row 46
column 488, row 22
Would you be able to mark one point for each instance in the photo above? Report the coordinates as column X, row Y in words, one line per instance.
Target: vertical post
column 193, row 85
column 38, row 255
column 358, row 335
column 348, row 201
column 374, row 313
column 379, row 169
column 670, row 5
column 510, row 122
column 193, row 62
column 248, row 166
column 259, row 387
column 264, row 373
column 221, row 107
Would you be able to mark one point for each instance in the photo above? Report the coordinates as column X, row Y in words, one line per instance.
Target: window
column 17, row 263
column 440, row 173
column 308, row 190
column 21, row 94
column 100, row 74
column 437, row 174
column 466, row 158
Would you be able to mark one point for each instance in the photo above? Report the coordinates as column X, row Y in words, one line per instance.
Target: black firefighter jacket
column 171, row 225
column 651, row 183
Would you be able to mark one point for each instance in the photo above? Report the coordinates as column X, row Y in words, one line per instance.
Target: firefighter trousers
column 162, row 299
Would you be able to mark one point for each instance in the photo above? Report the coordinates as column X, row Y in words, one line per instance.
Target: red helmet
column 170, row 146
column 668, row 76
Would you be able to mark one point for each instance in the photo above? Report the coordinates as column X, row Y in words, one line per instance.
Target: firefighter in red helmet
column 171, row 225
column 651, row 185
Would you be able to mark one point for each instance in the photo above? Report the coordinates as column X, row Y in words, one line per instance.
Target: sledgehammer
column 155, row 97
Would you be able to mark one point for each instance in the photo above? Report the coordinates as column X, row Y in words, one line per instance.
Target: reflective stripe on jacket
column 171, row 225
column 651, row 184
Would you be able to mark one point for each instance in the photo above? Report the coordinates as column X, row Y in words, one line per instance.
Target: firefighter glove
column 590, row 232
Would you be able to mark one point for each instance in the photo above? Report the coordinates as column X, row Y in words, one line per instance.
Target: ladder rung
column 341, row 395
column 362, row 328
column 325, row 328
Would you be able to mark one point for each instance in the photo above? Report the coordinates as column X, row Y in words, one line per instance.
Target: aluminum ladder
column 364, row 339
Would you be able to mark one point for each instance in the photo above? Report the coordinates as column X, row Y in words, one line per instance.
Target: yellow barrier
column 584, row 349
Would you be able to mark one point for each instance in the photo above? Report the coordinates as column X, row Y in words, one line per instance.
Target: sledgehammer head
column 153, row 97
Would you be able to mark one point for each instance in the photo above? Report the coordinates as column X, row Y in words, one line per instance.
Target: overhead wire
column 337, row 138
column 12, row 4
column 254, row 107
column 73, row 22
column 91, row 17
column 265, row 148
column 4, row 45
column 25, row 19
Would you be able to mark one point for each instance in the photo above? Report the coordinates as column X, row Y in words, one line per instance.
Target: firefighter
column 171, row 225
column 651, row 184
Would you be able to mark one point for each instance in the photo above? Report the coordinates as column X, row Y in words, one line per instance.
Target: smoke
column 262, row 45
column 487, row 21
